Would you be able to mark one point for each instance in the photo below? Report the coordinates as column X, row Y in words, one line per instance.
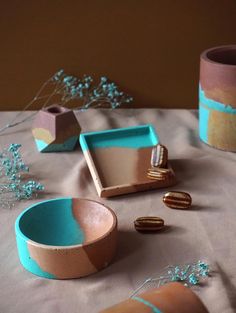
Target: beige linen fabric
column 207, row 231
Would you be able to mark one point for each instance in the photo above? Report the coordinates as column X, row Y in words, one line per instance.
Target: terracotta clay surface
column 118, row 169
column 123, row 170
column 170, row 298
column 66, row 238
column 56, row 129
column 217, row 97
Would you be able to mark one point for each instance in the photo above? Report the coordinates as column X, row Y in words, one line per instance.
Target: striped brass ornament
column 159, row 156
column 154, row 177
column 159, row 173
column 177, row 200
column 149, row 224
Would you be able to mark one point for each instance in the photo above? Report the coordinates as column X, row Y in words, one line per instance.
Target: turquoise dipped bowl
column 66, row 237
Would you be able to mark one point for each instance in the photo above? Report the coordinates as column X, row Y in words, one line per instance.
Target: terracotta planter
column 170, row 298
column 217, row 97
column 56, row 129
column 66, row 238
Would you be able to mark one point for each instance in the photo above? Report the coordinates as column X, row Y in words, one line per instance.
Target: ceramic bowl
column 66, row 237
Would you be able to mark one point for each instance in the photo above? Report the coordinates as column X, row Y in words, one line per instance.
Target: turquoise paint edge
column 27, row 262
column 67, row 145
column 85, row 136
column 40, row 144
column 215, row 105
column 154, row 135
column 203, row 122
column 147, row 303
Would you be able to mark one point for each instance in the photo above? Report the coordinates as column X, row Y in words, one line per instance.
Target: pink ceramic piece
column 56, row 129
column 170, row 298
column 217, row 97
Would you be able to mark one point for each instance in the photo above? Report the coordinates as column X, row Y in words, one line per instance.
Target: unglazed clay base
column 170, row 298
column 66, row 238
column 118, row 160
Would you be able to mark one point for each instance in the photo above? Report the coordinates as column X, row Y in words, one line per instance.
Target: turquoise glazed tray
column 118, row 159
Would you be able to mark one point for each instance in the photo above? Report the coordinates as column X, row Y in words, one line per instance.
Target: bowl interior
column 66, row 221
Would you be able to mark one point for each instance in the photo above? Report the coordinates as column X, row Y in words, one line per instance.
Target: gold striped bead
column 149, row 224
column 159, row 173
column 177, row 200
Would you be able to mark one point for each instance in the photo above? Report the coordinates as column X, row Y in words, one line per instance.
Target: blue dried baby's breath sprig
column 106, row 92
column 12, row 185
column 62, row 88
column 188, row 274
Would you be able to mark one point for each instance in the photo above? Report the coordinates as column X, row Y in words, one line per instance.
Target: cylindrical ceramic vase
column 217, row 97
column 170, row 298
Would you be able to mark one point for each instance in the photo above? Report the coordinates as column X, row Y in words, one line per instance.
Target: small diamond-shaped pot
column 56, row 129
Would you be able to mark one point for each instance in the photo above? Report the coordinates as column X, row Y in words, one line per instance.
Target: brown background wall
column 149, row 47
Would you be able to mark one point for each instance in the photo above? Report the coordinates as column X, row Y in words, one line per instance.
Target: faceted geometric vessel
column 66, row 238
column 56, row 129
column 217, row 97
column 170, row 298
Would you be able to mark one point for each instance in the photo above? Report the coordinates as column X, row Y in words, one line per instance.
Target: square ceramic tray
column 118, row 159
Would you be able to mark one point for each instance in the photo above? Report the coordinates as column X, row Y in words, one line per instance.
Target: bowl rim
column 18, row 231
